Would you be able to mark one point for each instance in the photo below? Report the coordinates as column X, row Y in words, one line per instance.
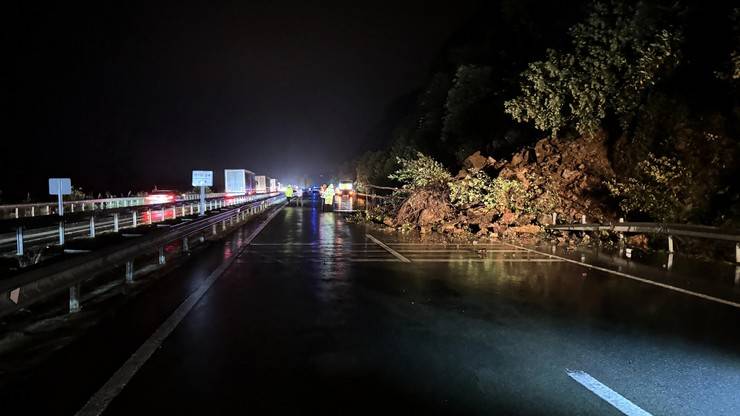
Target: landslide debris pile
column 491, row 198
column 570, row 173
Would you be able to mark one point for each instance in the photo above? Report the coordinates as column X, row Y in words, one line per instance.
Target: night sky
column 125, row 97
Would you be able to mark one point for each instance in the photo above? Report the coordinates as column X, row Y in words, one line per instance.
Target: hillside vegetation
column 604, row 109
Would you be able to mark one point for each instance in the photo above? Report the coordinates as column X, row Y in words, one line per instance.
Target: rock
column 475, row 162
column 544, row 219
column 639, row 240
column 479, row 215
column 508, row 218
column 525, row 229
column 520, row 158
column 389, row 222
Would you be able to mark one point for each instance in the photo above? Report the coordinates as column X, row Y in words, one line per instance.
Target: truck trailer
column 261, row 184
column 239, row 182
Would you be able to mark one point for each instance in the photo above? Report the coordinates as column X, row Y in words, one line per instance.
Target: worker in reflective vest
column 289, row 193
column 329, row 198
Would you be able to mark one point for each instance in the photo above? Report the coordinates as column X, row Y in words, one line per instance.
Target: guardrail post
column 161, row 259
column 185, row 245
column 161, row 211
column 223, row 225
column 670, row 244
column 19, row 251
column 82, row 206
column 554, row 218
column 61, row 232
column 669, row 263
column 33, row 211
column 214, row 229
column 133, row 219
column 115, row 222
column 583, row 219
column 92, row 226
column 737, row 252
column 71, row 207
column 48, row 210
column 149, row 214
column 191, row 209
column 74, row 298
column 130, row 271
column 182, row 210
column 16, row 212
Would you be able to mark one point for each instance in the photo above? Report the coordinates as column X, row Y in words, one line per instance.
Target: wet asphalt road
column 315, row 317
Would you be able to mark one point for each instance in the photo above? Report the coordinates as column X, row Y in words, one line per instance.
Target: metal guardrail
column 50, row 208
column 669, row 230
column 39, row 284
column 140, row 214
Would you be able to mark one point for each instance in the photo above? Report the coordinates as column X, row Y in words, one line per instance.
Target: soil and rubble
column 555, row 176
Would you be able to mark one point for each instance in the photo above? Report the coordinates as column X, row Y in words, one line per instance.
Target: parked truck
column 239, row 182
column 262, row 183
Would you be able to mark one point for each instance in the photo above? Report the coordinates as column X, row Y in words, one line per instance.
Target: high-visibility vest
column 289, row 192
column 329, row 196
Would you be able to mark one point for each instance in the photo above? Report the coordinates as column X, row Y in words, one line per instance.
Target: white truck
column 261, row 181
column 239, row 182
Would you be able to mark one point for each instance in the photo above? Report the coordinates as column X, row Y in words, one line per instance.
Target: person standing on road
column 329, row 198
column 289, row 193
column 299, row 196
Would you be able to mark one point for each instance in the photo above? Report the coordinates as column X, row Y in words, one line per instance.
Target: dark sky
column 127, row 96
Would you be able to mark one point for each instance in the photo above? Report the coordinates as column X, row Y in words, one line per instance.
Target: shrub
column 661, row 189
column 422, row 172
column 480, row 189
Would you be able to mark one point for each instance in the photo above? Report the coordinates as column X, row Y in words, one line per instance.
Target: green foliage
column 661, row 189
column 480, row 189
column 421, row 172
column 616, row 57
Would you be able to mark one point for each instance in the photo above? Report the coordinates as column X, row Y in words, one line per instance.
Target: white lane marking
column 388, row 249
column 615, row 399
column 451, row 245
column 474, row 260
column 371, row 260
column 461, row 251
column 639, row 279
column 320, row 244
column 118, row 381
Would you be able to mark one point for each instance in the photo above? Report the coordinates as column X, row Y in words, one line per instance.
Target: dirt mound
column 564, row 176
column 425, row 208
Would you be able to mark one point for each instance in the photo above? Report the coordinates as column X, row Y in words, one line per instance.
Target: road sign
column 202, row 178
column 60, row 186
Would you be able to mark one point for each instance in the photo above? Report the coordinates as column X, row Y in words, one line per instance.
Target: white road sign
column 202, row 178
column 60, row 186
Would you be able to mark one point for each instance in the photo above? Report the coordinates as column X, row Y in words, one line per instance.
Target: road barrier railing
column 36, row 285
column 50, row 208
column 669, row 230
column 134, row 215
